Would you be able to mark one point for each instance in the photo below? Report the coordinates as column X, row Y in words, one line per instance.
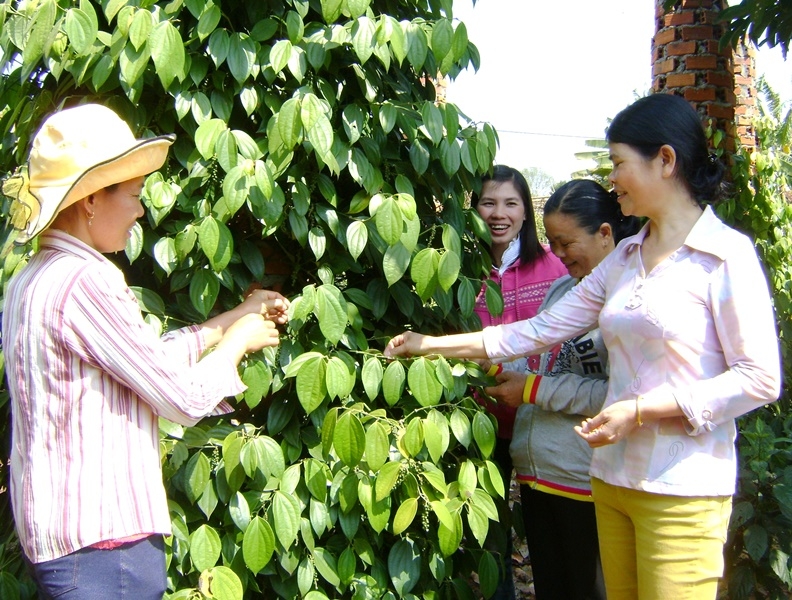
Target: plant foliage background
column 313, row 157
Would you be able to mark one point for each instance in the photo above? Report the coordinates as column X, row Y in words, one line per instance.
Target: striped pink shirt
column 88, row 379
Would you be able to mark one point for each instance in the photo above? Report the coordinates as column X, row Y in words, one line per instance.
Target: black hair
column 591, row 205
column 530, row 247
column 665, row 119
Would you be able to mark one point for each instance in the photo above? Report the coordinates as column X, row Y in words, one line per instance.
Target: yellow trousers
column 658, row 547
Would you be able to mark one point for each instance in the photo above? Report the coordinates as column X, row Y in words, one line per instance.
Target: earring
column 90, row 219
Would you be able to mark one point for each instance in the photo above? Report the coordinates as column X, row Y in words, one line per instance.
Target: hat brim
column 141, row 159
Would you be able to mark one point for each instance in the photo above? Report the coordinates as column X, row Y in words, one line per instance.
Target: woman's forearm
column 463, row 345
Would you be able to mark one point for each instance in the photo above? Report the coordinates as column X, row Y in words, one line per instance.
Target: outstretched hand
column 610, row 426
column 408, row 343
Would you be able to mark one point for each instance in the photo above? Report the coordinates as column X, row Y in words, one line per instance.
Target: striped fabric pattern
column 88, row 380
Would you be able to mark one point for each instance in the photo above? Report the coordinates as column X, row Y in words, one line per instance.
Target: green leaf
column 240, row 511
column 493, row 297
column 423, row 382
column 204, row 547
column 404, row 566
column 417, row 45
column 204, row 288
column 305, row 575
column 317, row 241
column 349, row 439
column 393, row 383
column 290, row 123
column 339, row 379
column 241, row 56
column 206, row 136
column 388, row 219
column 347, row 564
column 442, row 36
column 466, row 297
column 363, row 32
column 419, row 157
column 327, row 566
column 311, row 384
column 331, row 10
column 395, row 263
column 450, row 537
column 210, row 17
column 386, row 479
column 756, row 541
column 432, row 122
column 357, row 237
column 371, row 375
column 279, row 55
column 460, row 427
column 484, row 433
column 217, row 243
column 286, row 517
column 331, row 312
column 405, row 515
column 413, row 439
column 423, row 272
column 224, row 584
column 80, row 26
column 377, row 445
column 196, row 476
column 139, row 29
column 167, row 50
column 488, row 574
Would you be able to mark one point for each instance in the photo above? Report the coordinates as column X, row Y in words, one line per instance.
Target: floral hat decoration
column 77, row 152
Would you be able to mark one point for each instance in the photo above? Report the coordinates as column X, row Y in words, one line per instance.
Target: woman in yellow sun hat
column 88, row 377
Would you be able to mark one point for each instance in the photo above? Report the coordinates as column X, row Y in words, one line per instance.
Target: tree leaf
column 423, row 382
column 331, row 312
column 167, row 51
column 204, row 547
column 405, row 515
column 204, row 288
column 349, row 439
column 393, row 383
column 377, row 445
column 404, row 566
column 484, row 433
column 286, row 517
column 311, row 385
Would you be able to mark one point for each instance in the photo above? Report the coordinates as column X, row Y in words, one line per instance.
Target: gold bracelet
column 638, row 419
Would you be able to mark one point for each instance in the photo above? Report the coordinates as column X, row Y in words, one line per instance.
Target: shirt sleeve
column 744, row 322
column 108, row 331
column 572, row 394
column 574, row 314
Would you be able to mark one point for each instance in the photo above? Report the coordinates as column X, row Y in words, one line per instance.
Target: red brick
column 666, row 66
column 744, row 120
column 709, row 17
column 697, row 32
column 665, row 36
column 680, row 18
column 681, row 79
column 720, row 79
column 701, row 62
column 740, row 80
column 720, row 112
column 680, row 48
column 699, row 94
column 657, row 85
column 713, row 48
column 696, row 3
column 748, row 141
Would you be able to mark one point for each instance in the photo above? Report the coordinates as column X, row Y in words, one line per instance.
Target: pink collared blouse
column 699, row 328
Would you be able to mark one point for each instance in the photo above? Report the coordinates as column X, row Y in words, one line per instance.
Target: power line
column 563, row 135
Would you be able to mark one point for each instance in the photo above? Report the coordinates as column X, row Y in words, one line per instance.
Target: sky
column 553, row 73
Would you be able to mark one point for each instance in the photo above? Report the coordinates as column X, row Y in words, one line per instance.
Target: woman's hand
column 509, row 390
column 247, row 334
column 408, row 343
column 268, row 303
column 610, row 426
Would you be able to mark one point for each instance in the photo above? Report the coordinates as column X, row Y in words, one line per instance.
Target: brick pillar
column 746, row 108
column 686, row 61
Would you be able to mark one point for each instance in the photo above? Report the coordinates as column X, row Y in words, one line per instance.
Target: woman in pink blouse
column 89, row 378
column 685, row 313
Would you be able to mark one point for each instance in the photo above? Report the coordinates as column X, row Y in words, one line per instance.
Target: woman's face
column 502, row 208
column 635, row 179
column 579, row 250
column 115, row 214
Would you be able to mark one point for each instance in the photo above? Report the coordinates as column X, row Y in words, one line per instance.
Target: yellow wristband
column 494, row 370
column 638, row 419
column 529, row 390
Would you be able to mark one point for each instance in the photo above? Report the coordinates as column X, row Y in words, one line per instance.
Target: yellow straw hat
column 78, row 151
